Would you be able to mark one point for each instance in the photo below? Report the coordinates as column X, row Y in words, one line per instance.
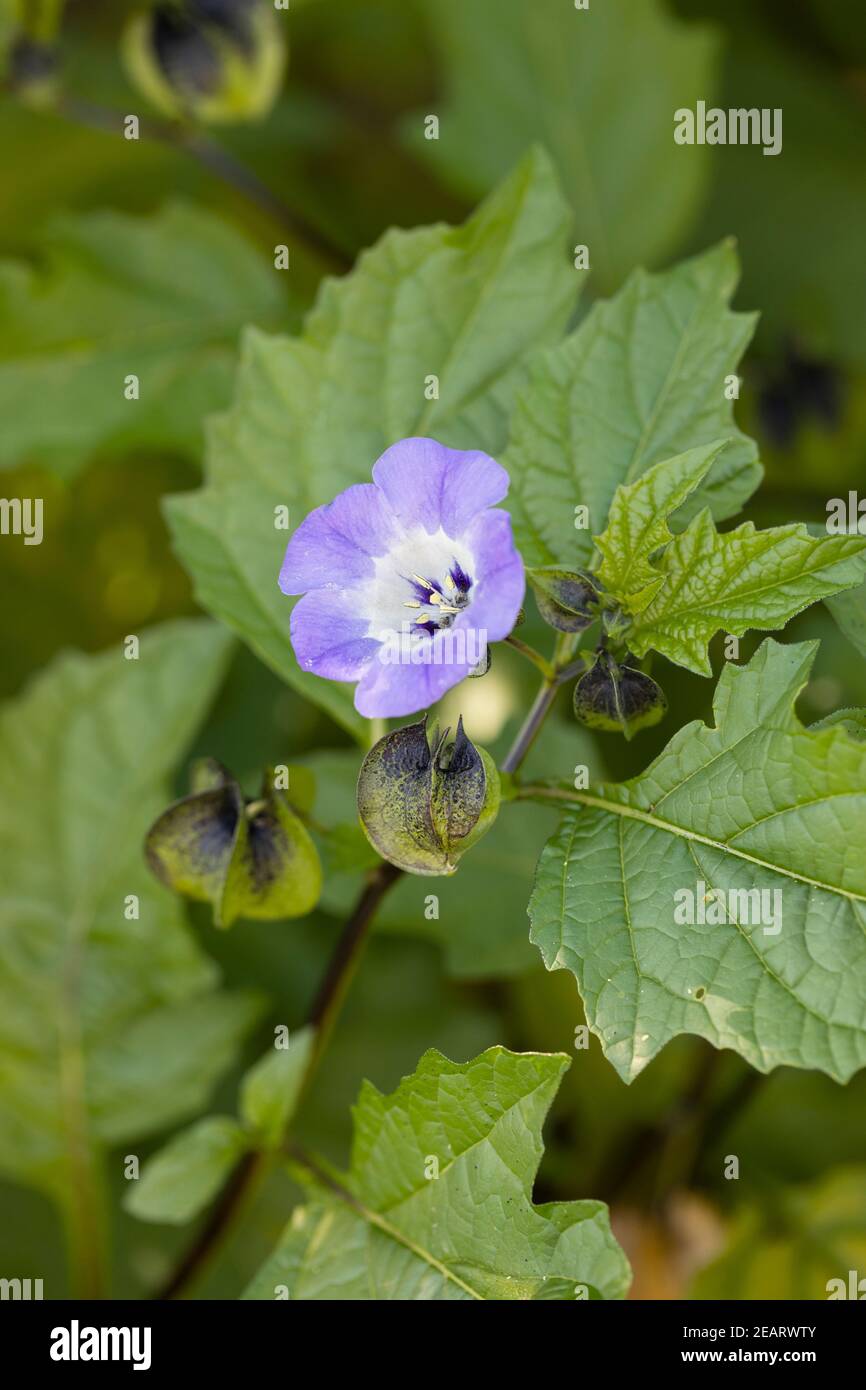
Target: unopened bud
column 214, row 60
column 567, row 599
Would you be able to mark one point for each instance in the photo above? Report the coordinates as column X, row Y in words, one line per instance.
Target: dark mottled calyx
column 247, row 858
column 185, row 54
column 199, row 830
column 618, row 698
column 31, row 61
column 567, row 599
column 460, row 789
column 266, row 849
column 234, row 17
column 422, row 799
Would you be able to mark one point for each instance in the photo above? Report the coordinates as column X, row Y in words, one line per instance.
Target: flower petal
column 390, row 689
column 429, row 485
column 336, row 543
column 498, row 593
column 329, row 638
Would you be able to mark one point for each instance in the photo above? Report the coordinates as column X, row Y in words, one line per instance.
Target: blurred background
column 343, row 148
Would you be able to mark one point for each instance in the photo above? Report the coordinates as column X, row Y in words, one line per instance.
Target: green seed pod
column 424, row 801
column 567, row 599
column 618, row 699
column 246, row 858
column 210, row 60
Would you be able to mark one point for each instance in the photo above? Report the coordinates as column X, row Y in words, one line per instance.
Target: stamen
column 439, row 602
column 435, row 594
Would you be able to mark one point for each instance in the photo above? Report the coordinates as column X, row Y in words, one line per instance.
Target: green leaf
column 112, row 1025
column 163, row 1066
column 599, row 89
column 849, row 611
column 392, row 1230
column 163, row 298
column 797, row 1243
column 756, row 804
column 737, row 581
column 637, row 525
column 270, row 1089
column 853, row 721
column 642, row 379
column 312, row 414
column 180, row 1180
column 347, row 850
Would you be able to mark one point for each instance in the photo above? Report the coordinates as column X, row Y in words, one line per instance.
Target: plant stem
column 531, row 726
column 573, row 669
column 540, row 792
column 344, row 962
column 85, row 1205
column 532, row 655
column 237, row 175
column 217, row 161
column 378, row 730
column 86, row 1226
column 322, row 1015
column 556, row 673
column 232, row 1200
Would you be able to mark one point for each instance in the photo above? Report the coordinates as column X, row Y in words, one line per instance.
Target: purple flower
column 405, row 579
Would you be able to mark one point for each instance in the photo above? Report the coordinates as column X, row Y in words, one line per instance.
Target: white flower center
column 420, row 586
